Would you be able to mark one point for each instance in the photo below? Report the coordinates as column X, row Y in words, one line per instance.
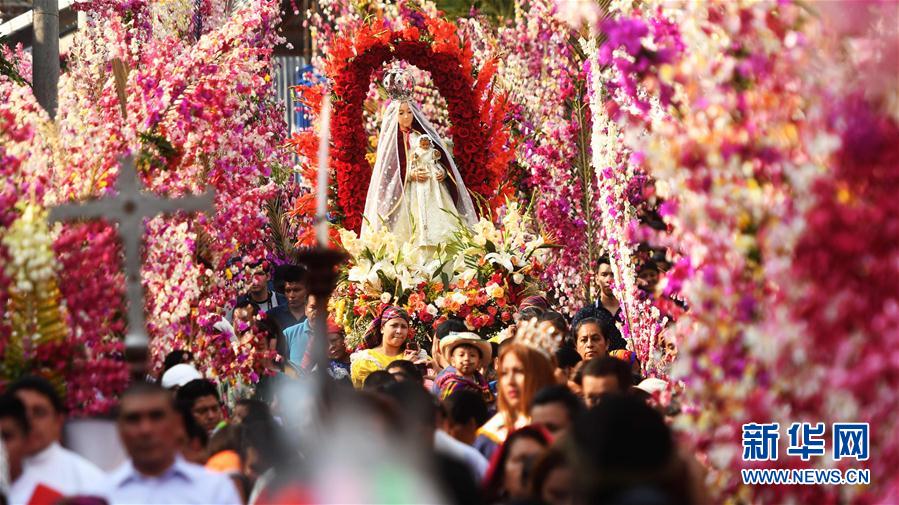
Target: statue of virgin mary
column 416, row 191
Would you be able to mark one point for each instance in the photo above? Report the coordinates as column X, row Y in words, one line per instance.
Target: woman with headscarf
column 385, row 341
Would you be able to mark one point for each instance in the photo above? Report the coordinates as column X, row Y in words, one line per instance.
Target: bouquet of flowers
column 479, row 276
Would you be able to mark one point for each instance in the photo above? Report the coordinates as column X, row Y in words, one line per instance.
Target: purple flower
column 625, row 32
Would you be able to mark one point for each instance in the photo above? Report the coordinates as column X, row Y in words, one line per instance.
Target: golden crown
column 399, row 84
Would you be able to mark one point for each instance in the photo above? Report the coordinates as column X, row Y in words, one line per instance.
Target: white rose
column 440, row 302
column 385, row 297
column 517, row 278
column 431, row 309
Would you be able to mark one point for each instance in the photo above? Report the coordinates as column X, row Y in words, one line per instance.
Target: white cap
column 179, row 375
column 653, row 385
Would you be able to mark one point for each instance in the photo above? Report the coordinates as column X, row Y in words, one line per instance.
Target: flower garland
column 480, row 140
column 770, row 150
column 38, row 339
column 542, row 70
column 89, row 256
column 187, row 88
column 614, row 165
column 199, row 109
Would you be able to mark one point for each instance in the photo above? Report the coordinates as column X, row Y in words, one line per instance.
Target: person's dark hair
column 189, row 393
column 567, row 356
column 600, row 316
column 191, row 427
column 622, row 447
column 40, row 386
column 649, row 265
column 463, row 405
column 409, row 369
column 550, row 460
column 289, row 273
column 494, row 484
column 269, row 441
column 558, row 393
column 416, row 406
column 257, row 410
column 557, row 320
column 608, row 366
column 145, row 388
column 11, row 407
column 600, row 322
column 449, row 326
column 377, row 380
column 603, row 260
column 228, row 438
column 246, row 302
column 176, row 358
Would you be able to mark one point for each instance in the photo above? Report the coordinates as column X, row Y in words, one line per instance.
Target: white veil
column 385, row 191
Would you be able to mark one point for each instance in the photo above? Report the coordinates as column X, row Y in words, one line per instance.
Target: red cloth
column 44, row 495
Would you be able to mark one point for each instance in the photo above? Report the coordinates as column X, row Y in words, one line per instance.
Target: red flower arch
column 480, row 140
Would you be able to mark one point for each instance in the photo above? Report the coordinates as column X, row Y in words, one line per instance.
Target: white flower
column 385, row 297
column 431, row 309
column 467, row 275
column 517, row 278
column 503, row 259
column 440, row 302
column 351, row 242
column 359, row 271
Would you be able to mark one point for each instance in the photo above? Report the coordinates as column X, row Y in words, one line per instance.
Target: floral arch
column 480, row 139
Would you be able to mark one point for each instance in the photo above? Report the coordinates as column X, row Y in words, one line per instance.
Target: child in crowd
column 466, row 353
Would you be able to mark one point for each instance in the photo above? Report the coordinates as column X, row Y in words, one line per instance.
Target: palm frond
column 279, row 230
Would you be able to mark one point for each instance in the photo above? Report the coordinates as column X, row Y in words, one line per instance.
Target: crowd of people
column 550, row 411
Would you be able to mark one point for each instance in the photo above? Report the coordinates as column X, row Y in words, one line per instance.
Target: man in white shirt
column 149, row 428
column 50, row 471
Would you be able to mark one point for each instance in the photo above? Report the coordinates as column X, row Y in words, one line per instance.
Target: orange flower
column 411, row 33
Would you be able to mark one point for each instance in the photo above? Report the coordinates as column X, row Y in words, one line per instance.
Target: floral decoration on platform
column 479, row 277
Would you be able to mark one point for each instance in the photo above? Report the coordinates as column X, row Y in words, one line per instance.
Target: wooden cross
column 129, row 208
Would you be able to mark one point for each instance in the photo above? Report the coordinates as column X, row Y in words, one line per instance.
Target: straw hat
column 455, row 339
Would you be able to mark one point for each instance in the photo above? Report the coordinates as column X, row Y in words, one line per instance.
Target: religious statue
column 416, row 191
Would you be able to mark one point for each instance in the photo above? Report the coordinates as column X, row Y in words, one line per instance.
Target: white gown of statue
column 396, row 203
column 429, row 216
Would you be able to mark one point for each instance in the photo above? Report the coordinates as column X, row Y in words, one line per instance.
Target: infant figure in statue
column 432, row 214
